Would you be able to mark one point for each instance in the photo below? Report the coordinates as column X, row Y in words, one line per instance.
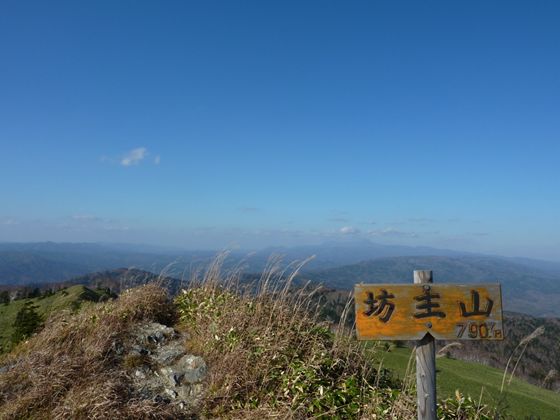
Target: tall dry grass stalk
column 550, row 377
column 270, row 355
column 479, row 407
column 523, row 343
column 441, row 352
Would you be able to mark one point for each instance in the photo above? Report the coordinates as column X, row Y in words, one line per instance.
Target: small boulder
column 193, row 369
column 167, row 374
column 166, row 355
column 155, row 334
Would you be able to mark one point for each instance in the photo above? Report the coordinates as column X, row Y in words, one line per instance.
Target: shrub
column 27, row 322
column 268, row 353
column 73, row 369
column 463, row 408
column 5, row 297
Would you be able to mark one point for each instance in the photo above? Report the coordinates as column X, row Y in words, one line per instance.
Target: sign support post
column 426, row 362
column 426, row 312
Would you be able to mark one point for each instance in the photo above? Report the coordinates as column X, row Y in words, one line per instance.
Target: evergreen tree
column 27, row 322
column 5, row 297
column 36, row 292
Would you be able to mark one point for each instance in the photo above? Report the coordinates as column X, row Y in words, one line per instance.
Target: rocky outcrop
column 161, row 369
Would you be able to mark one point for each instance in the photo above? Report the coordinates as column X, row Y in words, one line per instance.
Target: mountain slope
column 67, row 298
column 34, row 263
column 21, row 268
column 525, row 289
column 120, row 279
column 520, row 399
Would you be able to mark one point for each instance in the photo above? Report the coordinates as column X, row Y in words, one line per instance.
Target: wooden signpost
column 425, row 312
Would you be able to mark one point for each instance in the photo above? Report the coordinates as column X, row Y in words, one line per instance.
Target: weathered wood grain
column 403, row 325
column 426, row 365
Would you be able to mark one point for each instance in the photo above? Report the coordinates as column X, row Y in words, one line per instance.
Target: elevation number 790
column 478, row 330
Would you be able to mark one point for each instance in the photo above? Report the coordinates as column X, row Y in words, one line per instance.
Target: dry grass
column 269, row 355
column 73, row 368
column 523, row 345
column 445, row 349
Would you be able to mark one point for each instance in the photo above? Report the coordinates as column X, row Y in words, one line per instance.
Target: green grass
column 69, row 298
column 521, row 398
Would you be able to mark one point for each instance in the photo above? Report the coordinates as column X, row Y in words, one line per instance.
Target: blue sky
column 215, row 124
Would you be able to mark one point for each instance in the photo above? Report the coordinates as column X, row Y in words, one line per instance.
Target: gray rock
column 117, row 347
column 193, row 368
column 155, row 334
column 189, row 369
column 169, row 375
column 7, row 367
column 138, row 350
column 168, row 354
column 172, row 393
column 172, row 377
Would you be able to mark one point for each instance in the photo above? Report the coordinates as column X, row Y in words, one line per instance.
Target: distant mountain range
column 529, row 286
column 25, row 263
column 525, row 289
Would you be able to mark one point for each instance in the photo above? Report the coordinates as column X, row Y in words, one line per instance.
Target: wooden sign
column 446, row 311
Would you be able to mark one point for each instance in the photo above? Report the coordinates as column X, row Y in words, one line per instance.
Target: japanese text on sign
column 448, row 312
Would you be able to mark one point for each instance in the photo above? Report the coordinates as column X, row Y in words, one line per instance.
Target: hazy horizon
column 354, row 243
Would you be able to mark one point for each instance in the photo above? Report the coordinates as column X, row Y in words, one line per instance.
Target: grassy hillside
column 520, row 398
column 540, row 357
column 69, row 298
column 75, row 367
column 268, row 355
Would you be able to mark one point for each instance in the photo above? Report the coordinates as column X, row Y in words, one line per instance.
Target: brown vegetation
column 268, row 354
column 72, row 369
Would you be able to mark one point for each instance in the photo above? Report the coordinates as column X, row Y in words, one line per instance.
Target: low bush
column 269, row 353
column 73, row 367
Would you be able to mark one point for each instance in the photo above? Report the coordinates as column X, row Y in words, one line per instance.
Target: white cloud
column 349, row 230
column 86, row 218
column 9, row 222
column 134, row 157
column 392, row 232
column 131, row 158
